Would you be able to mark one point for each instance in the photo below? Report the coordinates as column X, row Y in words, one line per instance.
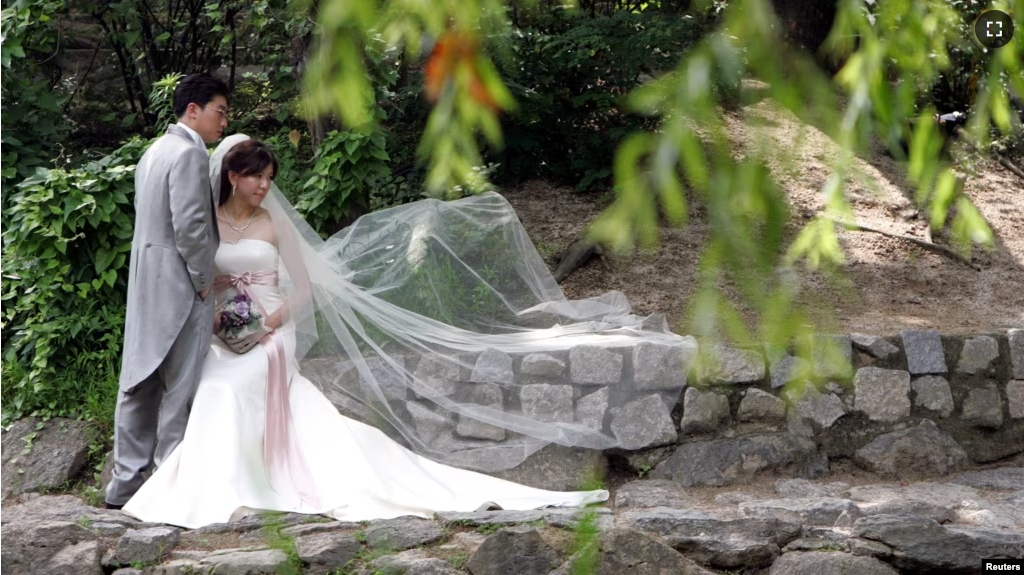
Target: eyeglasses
column 224, row 112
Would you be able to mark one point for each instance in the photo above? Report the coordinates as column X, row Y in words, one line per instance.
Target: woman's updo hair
column 245, row 159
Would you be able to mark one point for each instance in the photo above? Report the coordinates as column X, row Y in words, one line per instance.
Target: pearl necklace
column 231, row 224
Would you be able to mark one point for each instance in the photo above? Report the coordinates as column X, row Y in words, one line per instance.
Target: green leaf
column 352, row 145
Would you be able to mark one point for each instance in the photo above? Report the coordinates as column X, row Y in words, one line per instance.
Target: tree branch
column 1006, row 163
column 934, row 248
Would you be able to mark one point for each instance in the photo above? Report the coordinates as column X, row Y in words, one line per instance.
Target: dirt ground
column 887, row 284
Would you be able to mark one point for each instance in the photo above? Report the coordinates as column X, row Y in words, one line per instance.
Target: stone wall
column 916, row 404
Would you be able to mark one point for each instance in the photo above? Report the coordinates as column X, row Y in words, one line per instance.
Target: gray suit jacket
column 173, row 247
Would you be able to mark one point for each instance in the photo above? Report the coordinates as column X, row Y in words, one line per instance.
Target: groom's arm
column 189, row 189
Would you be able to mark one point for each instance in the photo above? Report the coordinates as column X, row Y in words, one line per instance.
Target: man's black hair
column 197, row 89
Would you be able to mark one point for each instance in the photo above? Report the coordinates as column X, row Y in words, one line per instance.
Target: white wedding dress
column 217, row 473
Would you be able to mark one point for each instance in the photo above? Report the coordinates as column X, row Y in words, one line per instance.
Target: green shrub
column 349, row 165
column 66, row 246
column 33, row 125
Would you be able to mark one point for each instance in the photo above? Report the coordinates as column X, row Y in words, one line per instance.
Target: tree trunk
column 318, row 127
column 806, row 22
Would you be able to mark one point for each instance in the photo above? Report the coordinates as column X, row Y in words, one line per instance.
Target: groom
column 169, row 321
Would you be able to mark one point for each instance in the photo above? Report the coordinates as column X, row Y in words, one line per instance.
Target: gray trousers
column 150, row 419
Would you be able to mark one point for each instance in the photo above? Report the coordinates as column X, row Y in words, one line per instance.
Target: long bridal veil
column 439, row 323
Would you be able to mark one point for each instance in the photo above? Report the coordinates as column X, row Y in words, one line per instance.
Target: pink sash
column 282, row 456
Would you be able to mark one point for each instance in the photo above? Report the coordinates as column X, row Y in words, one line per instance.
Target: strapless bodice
column 246, row 255
column 250, row 256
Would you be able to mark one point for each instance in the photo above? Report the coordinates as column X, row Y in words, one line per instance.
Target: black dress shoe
column 111, row 505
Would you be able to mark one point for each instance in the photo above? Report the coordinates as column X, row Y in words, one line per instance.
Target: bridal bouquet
column 241, row 325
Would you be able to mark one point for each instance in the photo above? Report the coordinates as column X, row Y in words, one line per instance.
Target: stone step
column 857, row 524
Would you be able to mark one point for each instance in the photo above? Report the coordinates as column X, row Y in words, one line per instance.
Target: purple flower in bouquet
column 240, row 325
column 237, row 313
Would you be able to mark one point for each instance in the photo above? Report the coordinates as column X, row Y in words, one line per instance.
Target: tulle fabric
column 392, row 314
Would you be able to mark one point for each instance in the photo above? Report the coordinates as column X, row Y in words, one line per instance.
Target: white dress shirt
column 195, row 136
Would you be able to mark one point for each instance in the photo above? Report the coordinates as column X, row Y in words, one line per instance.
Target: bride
column 406, row 321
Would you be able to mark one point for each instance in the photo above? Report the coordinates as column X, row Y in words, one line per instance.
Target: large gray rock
column 78, row 559
column 732, row 365
column 391, row 379
column 1015, row 398
column 493, row 366
column 950, row 496
column 983, row 406
column 808, row 511
column 921, row 545
column 978, row 354
column 402, row 533
column 41, row 455
column 921, row 451
column 900, row 506
column 566, row 517
column 703, row 411
column 725, row 544
column 660, row 367
column 1016, row 339
column 826, row 563
column 319, row 527
column 642, row 423
column 326, row 552
column 49, row 547
column 1001, row 478
column 545, row 402
column 933, row 392
column 802, row 488
column 542, row 365
column 652, row 493
column 145, row 545
column 924, row 352
column 874, row 346
column 30, row 508
column 738, row 460
column 821, row 408
column 883, row 394
column 593, row 365
column 558, row 468
column 591, row 409
column 761, row 406
column 439, row 375
column 514, row 551
column 412, row 562
column 487, row 395
column 626, row 551
column 179, row 567
column 235, row 562
column 430, row 425
column 782, row 368
column 820, row 539
column 867, row 548
column 833, row 356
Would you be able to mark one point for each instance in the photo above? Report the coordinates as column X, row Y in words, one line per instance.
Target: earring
column 233, row 188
